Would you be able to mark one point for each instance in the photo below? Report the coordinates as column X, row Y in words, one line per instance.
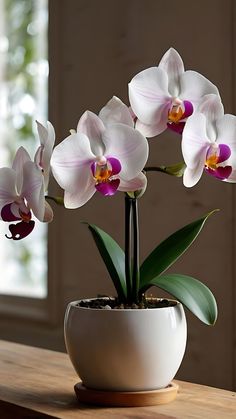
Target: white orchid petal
column 70, row 159
column 8, row 192
column 226, row 130
column 148, row 94
column 195, row 141
column 48, row 213
column 33, row 189
column 115, row 111
column 211, row 106
column 42, row 132
column 92, row 126
column 152, row 130
column 38, row 156
column 195, row 145
column 21, row 157
column 42, row 161
column 81, row 195
column 46, row 135
column 192, row 176
column 226, row 134
column 173, row 65
column 43, row 154
column 46, row 174
column 136, row 184
column 194, row 86
column 51, row 134
column 128, row 146
column 71, row 166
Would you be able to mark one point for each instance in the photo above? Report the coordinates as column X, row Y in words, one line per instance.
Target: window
column 23, row 99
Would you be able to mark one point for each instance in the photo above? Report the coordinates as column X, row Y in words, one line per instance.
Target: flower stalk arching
column 173, row 170
column 57, row 199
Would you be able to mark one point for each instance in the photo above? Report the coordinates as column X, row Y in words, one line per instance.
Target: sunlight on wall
column 23, row 99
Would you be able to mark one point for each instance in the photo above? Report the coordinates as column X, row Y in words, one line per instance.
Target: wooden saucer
column 126, row 398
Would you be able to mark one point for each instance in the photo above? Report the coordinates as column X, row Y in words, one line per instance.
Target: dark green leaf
column 191, row 292
column 113, row 257
column 166, row 253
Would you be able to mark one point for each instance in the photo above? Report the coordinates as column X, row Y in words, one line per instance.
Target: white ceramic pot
column 125, row 350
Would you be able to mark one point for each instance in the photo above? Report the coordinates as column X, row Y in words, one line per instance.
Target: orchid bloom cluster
column 108, row 152
column 23, row 186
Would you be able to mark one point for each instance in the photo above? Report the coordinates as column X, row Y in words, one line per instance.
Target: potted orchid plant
column 129, row 342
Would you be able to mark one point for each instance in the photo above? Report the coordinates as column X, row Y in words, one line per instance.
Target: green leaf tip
column 211, row 212
column 192, row 293
column 168, row 251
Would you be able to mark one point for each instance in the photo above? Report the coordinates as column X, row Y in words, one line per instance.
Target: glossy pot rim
column 73, row 305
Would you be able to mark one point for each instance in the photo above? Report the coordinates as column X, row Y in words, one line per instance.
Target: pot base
column 126, row 398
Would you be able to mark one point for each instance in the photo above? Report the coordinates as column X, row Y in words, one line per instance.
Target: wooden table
column 37, row 383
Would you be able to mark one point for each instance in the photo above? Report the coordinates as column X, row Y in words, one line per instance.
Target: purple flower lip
column 104, row 175
column 20, row 230
column 110, row 168
column 221, row 172
column 220, row 155
column 176, row 127
column 115, row 164
column 188, row 109
column 179, row 111
column 225, row 153
column 108, row 188
column 7, row 214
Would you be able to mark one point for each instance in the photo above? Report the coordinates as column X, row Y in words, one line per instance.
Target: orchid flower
column 44, row 152
column 22, row 195
column 106, row 154
column 209, row 143
column 115, row 111
column 165, row 96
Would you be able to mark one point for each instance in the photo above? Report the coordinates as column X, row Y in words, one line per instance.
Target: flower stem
column 135, row 242
column 58, row 199
column 154, row 169
column 128, row 214
column 173, row 170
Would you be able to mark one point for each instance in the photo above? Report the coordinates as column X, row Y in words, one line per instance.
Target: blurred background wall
column 95, row 48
